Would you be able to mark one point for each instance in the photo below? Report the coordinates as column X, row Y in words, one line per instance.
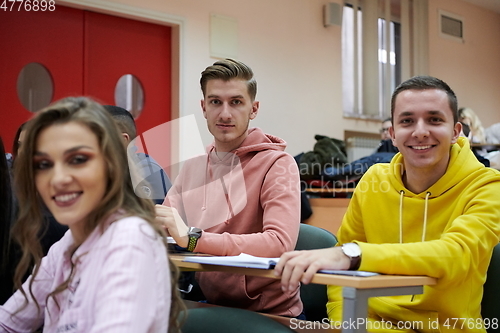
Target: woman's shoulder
column 131, row 228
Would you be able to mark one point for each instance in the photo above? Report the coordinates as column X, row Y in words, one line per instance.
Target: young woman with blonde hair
column 469, row 117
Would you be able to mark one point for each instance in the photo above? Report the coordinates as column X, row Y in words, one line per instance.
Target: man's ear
column 393, row 136
column 456, row 132
column 126, row 137
column 202, row 103
column 255, row 109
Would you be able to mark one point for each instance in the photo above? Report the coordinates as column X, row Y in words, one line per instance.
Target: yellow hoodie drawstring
column 402, row 193
column 401, row 220
column 425, row 215
column 424, row 231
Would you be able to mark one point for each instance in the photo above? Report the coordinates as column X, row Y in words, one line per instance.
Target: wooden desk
column 487, row 146
column 356, row 290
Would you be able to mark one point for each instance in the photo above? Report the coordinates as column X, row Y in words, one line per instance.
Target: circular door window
column 35, row 87
column 129, row 94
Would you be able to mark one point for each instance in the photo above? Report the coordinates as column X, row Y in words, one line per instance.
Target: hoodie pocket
column 228, row 290
column 404, row 318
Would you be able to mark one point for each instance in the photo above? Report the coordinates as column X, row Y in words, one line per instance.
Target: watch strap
column 194, row 234
column 355, row 263
column 192, row 243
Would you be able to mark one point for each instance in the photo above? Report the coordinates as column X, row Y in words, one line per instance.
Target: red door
column 27, row 37
column 86, row 53
column 116, row 46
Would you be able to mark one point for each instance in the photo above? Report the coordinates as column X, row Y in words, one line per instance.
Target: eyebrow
column 411, row 113
column 231, row 97
column 68, row 151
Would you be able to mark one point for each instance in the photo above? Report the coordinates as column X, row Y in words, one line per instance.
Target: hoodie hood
column 228, row 170
column 460, row 165
column 255, row 141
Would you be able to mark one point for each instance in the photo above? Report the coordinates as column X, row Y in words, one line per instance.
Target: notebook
column 249, row 261
column 242, row 260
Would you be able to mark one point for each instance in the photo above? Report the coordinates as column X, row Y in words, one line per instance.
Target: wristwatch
column 353, row 251
column 194, row 234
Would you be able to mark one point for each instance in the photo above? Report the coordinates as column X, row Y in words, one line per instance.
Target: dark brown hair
column 424, row 83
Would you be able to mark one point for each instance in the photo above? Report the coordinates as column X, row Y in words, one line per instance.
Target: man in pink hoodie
column 242, row 196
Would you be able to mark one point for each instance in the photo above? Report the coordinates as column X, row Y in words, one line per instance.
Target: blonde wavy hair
column 469, row 117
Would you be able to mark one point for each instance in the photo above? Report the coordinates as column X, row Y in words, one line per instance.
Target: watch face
column 194, row 232
column 351, row 250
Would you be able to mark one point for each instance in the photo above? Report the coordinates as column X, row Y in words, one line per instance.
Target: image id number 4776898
column 28, row 5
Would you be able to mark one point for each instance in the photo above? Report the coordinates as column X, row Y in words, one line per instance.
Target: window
column 378, row 49
column 389, row 55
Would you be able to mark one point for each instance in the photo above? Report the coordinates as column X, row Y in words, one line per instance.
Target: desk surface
column 379, row 281
column 487, row 146
column 496, row 145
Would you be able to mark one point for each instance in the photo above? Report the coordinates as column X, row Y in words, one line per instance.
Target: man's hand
column 300, row 266
column 170, row 219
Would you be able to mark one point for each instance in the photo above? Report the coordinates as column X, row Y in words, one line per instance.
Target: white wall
column 297, row 61
column 472, row 68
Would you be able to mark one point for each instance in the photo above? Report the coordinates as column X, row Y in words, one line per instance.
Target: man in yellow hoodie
column 433, row 210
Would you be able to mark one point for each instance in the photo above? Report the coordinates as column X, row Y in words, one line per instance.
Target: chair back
column 314, row 296
column 490, row 309
column 217, row 319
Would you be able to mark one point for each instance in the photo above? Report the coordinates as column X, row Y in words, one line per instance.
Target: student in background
column 465, row 133
column 433, row 211
column 15, row 145
column 478, row 137
column 479, row 134
column 469, row 117
column 110, row 272
column 384, row 130
column 386, row 145
column 50, row 232
column 18, row 139
column 243, row 196
column 7, row 258
column 154, row 182
column 355, row 169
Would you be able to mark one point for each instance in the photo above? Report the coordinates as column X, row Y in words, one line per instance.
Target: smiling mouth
column 421, row 147
column 64, row 198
